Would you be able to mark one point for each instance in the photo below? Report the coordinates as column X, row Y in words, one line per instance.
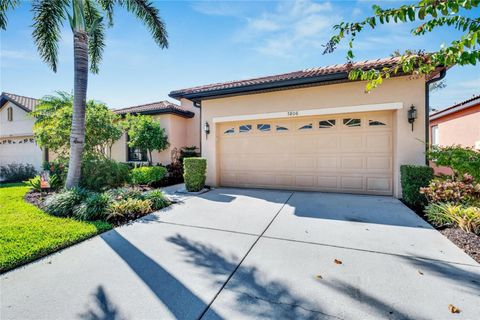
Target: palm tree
column 87, row 22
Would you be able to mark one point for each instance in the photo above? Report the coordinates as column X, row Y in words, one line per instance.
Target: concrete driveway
column 237, row 253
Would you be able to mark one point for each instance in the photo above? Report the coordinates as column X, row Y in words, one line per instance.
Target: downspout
column 198, row 104
column 443, row 73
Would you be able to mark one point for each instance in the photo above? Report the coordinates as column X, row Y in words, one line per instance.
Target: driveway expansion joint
column 244, row 257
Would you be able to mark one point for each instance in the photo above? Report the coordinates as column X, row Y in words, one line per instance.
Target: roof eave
column 196, row 96
column 4, row 99
column 184, row 114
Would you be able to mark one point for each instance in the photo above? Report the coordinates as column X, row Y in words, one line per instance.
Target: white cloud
column 290, row 28
column 219, row 8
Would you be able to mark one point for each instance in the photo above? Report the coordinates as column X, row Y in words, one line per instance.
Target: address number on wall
column 292, row 113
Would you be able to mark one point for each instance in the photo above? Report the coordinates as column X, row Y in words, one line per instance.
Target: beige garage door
column 349, row 153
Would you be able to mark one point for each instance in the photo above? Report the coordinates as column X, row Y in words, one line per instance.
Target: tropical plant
column 462, row 160
column 128, row 208
column 456, row 191
column 35, row 183
column 62, row 204
column 157, row 198
column 433, row 15
column 54, row 123
column 15, row 172
column 466, row 218
column 93, row 207
column 87, row 23
column 125, row 193
column 146, row 134
column 194, row 173
column 147, row 175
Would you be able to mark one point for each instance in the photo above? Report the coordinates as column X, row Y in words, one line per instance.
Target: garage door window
column 306, row 127
column 281, row 128
column 229, row 131
column 325, row 124
column 352, row 122
column 376, row 123
column 263, row 127
column 245, row 128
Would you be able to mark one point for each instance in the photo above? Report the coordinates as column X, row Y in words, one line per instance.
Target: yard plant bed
column 28, row 233
column 467, row 241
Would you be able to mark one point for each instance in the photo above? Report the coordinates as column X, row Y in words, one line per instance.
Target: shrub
column 125, row 193
column 55, row 183
column 466, row 218
column 460, row 159
column 414, row 177
column 93, row 207
column 194, row 173
column 147, row 175
column 157, row 198
column 128, row 208
column 57, row 167
column 456, row 191
column 16, row 172
column 62, row 204
column 99, row 174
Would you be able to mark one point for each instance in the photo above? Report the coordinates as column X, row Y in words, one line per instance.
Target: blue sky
column 213, row 42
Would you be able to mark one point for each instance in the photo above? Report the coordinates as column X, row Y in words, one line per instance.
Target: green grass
column 27, row 233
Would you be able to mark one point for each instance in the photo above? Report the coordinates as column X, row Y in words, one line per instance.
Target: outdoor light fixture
column 412, row 115
column 206, row 128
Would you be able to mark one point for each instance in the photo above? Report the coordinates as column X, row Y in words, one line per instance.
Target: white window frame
column 435, row 137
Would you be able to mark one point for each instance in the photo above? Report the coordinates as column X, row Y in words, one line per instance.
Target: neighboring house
column 312, row 130
column 458, row 124
column 182, row 126
column 17, row 144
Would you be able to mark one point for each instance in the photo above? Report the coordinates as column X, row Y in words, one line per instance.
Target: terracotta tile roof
column 155, row 108
column 473, row 101
column 26, row 103
column 340, row 69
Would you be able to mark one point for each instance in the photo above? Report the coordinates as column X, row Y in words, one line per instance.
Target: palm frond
column 48, row 17
column 107, row 6
column 50, row 104
column 4, row 6
column 96, row 33
column 149, row 14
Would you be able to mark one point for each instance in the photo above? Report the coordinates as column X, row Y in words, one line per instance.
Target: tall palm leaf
column 86, row 19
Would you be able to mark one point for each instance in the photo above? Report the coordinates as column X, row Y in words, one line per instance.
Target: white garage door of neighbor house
column 22, row 151
column 351, row 153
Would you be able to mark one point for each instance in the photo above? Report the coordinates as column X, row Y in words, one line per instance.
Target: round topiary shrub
column 194, row 173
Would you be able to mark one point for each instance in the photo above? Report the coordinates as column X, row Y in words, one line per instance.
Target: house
column 457, row 125
column 182, row 126
column 17, row 144
column 313, row 129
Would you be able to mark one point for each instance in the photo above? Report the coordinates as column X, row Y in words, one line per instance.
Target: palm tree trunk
column 77, row 135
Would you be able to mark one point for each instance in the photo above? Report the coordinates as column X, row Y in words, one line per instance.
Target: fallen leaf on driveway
column 453, row 309
column 319, row 277
column 338, row 261
column 420, row 272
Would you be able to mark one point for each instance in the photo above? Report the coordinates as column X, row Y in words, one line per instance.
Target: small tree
column 54, row 123
column 145, row 134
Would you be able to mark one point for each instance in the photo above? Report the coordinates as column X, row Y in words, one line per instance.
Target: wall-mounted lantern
column 206, row 128
column 412, row 115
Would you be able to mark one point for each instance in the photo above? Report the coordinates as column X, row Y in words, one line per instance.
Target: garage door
column 20, row 150
column 349, row 153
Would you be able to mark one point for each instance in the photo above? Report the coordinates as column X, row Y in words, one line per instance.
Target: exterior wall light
column 206, row 128
column 412, row 115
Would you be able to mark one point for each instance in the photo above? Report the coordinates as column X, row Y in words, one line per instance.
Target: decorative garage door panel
column 339, row 153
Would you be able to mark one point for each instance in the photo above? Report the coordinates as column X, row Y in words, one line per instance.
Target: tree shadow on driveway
column 174, row 295
column 106, row 309
column 254, row 295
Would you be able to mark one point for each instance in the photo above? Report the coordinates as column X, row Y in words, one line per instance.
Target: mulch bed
column 468, row 242
column 36, row 198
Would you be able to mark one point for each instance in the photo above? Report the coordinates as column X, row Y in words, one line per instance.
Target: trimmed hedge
column 194, row 173
column 148, row 175
column 414, row 177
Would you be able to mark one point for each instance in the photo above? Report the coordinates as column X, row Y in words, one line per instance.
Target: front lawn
column 27, row 233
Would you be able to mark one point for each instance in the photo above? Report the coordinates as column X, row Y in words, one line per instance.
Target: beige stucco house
column 17, row 144
column 312, row 130
column 182, row 126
